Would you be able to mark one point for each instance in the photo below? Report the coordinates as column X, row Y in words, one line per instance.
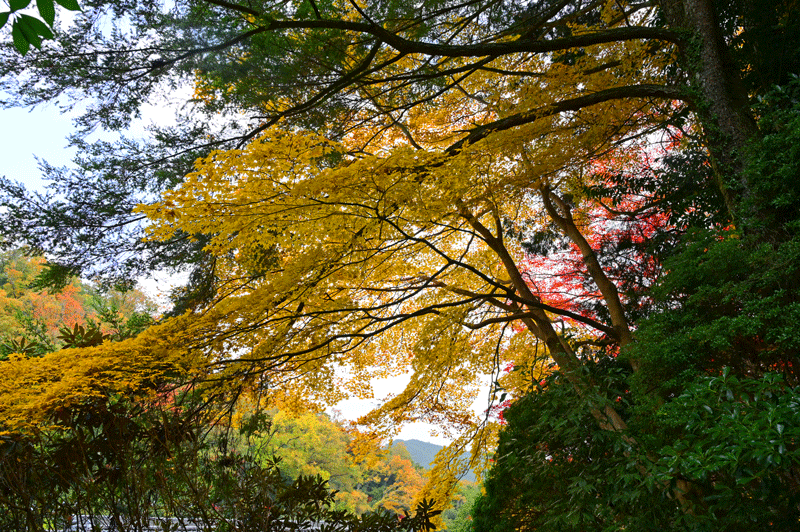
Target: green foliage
column 313, row 445
column 774, row 169
column 458, row 518
column 738, row 444
column 22, row 345
column 80, row 336
column 132, row 461
column 27, row 30
column 555, row 469
column 731, row 296
column 34, row 340
column 123, row 313
column 738, row 307
column 733, row 455
column 53, row 277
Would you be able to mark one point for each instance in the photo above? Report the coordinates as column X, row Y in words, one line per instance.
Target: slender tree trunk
column 561, row 214
column 541, row 325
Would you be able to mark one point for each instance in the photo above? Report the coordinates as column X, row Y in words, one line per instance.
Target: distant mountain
column 423, row 453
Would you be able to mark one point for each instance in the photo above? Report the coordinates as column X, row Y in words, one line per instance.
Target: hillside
column 423, row 453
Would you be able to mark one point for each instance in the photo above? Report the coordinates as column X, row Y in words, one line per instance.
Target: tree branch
column 235, row 7
column 573, row 104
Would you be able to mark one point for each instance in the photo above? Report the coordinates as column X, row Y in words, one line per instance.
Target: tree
column 394, row 482
column 156, row 460
column 459, row 518
column 709, row 407
column 35, row 320
column 154, row 452
column 311, row 444
column 275, row 74
column 451, row 144
column 728, row 440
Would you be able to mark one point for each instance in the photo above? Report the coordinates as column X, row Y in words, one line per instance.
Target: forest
column 591, row 205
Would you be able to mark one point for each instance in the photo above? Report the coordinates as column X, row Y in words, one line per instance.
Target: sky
column 25, row 134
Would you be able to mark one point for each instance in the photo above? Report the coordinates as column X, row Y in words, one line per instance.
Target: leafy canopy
column 448, row 188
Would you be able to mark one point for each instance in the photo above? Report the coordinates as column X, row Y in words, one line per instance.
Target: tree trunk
column 723, row 108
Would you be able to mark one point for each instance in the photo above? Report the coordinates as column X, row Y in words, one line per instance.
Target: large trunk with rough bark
column 722, row 107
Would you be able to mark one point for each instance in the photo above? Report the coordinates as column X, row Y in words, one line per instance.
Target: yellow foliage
column 390, row 262
column 33, row 390
column 394, row 260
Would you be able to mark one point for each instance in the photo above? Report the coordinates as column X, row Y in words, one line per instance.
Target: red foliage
column 618, row 230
